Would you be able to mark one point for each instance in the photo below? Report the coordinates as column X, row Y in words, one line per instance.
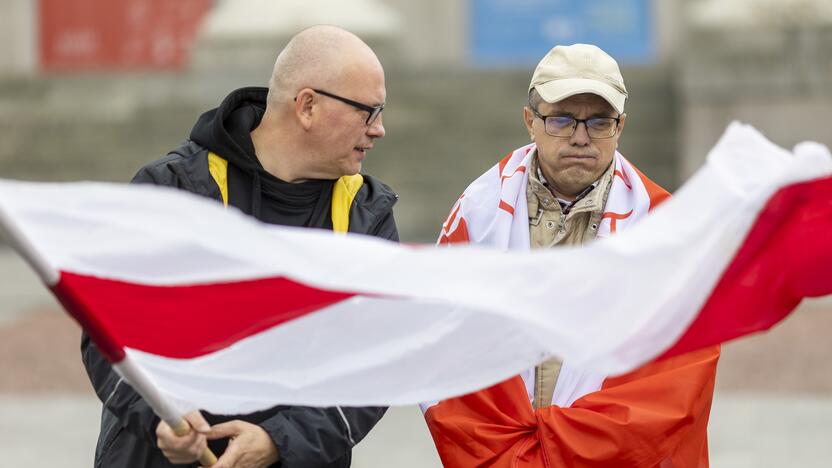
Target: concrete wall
column 432, row 32
column 18, row 37
column 779, row 80
column 233, row 42
column 670, row 28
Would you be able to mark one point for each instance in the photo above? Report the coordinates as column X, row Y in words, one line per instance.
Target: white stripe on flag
column 442, row 321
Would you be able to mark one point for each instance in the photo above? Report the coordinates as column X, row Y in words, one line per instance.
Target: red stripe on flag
column 519, row 170
column 184, row 321
column 786, row 256
column 506, row 207
column 90, row 322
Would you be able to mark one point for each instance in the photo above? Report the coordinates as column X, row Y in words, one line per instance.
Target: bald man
column 291, row 155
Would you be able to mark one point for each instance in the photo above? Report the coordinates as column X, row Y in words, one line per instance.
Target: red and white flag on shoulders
column 202, row 307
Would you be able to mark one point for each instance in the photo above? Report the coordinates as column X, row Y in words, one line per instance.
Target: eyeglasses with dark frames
column 564, row 126
column 374, row 111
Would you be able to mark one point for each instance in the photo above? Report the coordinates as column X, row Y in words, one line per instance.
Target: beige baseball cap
column 576, row 69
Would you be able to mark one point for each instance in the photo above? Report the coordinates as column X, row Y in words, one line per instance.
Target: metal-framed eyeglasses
column 564, row 125
column 373, row 111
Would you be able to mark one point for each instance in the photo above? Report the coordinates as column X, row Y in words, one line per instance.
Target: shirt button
column 546, row 201
column 550, row 224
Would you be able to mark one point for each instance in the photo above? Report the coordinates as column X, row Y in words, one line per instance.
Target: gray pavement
column 783, row 418
column 48, row 430
column 763, row 431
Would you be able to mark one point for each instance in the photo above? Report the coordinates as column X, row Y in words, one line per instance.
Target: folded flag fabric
column 493, row 212
column 202, row 307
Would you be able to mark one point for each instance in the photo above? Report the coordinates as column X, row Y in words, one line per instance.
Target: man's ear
column 621, row 124
column 305, row 107
column 528, row 119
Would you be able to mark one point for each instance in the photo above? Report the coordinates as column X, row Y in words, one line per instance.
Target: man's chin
column 579, row 174
column 576, row 181
column 352, row 170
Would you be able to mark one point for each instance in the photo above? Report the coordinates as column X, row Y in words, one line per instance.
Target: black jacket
column 304, row 436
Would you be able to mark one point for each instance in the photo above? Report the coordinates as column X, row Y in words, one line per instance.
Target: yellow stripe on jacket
column 343, row 193
column 218, row 167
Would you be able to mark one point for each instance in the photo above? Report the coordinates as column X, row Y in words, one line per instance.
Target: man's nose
column 376, row 129
column 581, row 136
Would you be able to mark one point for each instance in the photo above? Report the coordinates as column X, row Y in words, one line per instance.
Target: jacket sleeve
column 144, row 176
column 386, row 228
column 159, row 173
column 116, row 395
column 319, row 437
column 656, row 413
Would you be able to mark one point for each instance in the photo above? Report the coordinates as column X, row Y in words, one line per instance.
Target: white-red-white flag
column 203, row 307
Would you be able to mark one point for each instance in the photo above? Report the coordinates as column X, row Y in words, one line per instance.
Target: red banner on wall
column 80, row 35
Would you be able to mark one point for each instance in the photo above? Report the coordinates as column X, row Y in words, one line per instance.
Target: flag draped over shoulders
column 655, row 413
column 492, row 211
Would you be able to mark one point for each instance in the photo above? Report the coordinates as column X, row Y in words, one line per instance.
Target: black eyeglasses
column 564, row 126
column 373, row 111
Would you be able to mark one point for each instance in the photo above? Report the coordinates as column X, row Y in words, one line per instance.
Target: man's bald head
column 319, row 57
column 324, row 89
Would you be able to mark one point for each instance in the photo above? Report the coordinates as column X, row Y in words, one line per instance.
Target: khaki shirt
column 550, row 227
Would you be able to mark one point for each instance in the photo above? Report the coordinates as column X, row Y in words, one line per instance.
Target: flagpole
column 138, row 379
column 161, row 405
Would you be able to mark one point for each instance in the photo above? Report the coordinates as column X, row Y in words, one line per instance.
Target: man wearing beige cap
column 568, row 187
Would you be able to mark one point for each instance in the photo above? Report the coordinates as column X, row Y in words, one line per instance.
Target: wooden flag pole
column 207, row 458
column 161, row 405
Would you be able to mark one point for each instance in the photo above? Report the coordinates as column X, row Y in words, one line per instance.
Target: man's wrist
column 273, row 455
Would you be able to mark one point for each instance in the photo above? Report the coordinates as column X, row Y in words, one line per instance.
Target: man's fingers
column 163, row 430
column 226, row 429
column 166, row 439
column 197, row 422
column 180, row 449
column 229, row 458
column 250, row 446
column 186, row 453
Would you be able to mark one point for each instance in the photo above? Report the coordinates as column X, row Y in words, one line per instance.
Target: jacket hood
column 226, row 129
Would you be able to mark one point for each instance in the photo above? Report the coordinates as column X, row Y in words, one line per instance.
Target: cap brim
column 558, row 90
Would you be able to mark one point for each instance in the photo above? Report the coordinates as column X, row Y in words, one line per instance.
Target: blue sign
column 520, row 32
